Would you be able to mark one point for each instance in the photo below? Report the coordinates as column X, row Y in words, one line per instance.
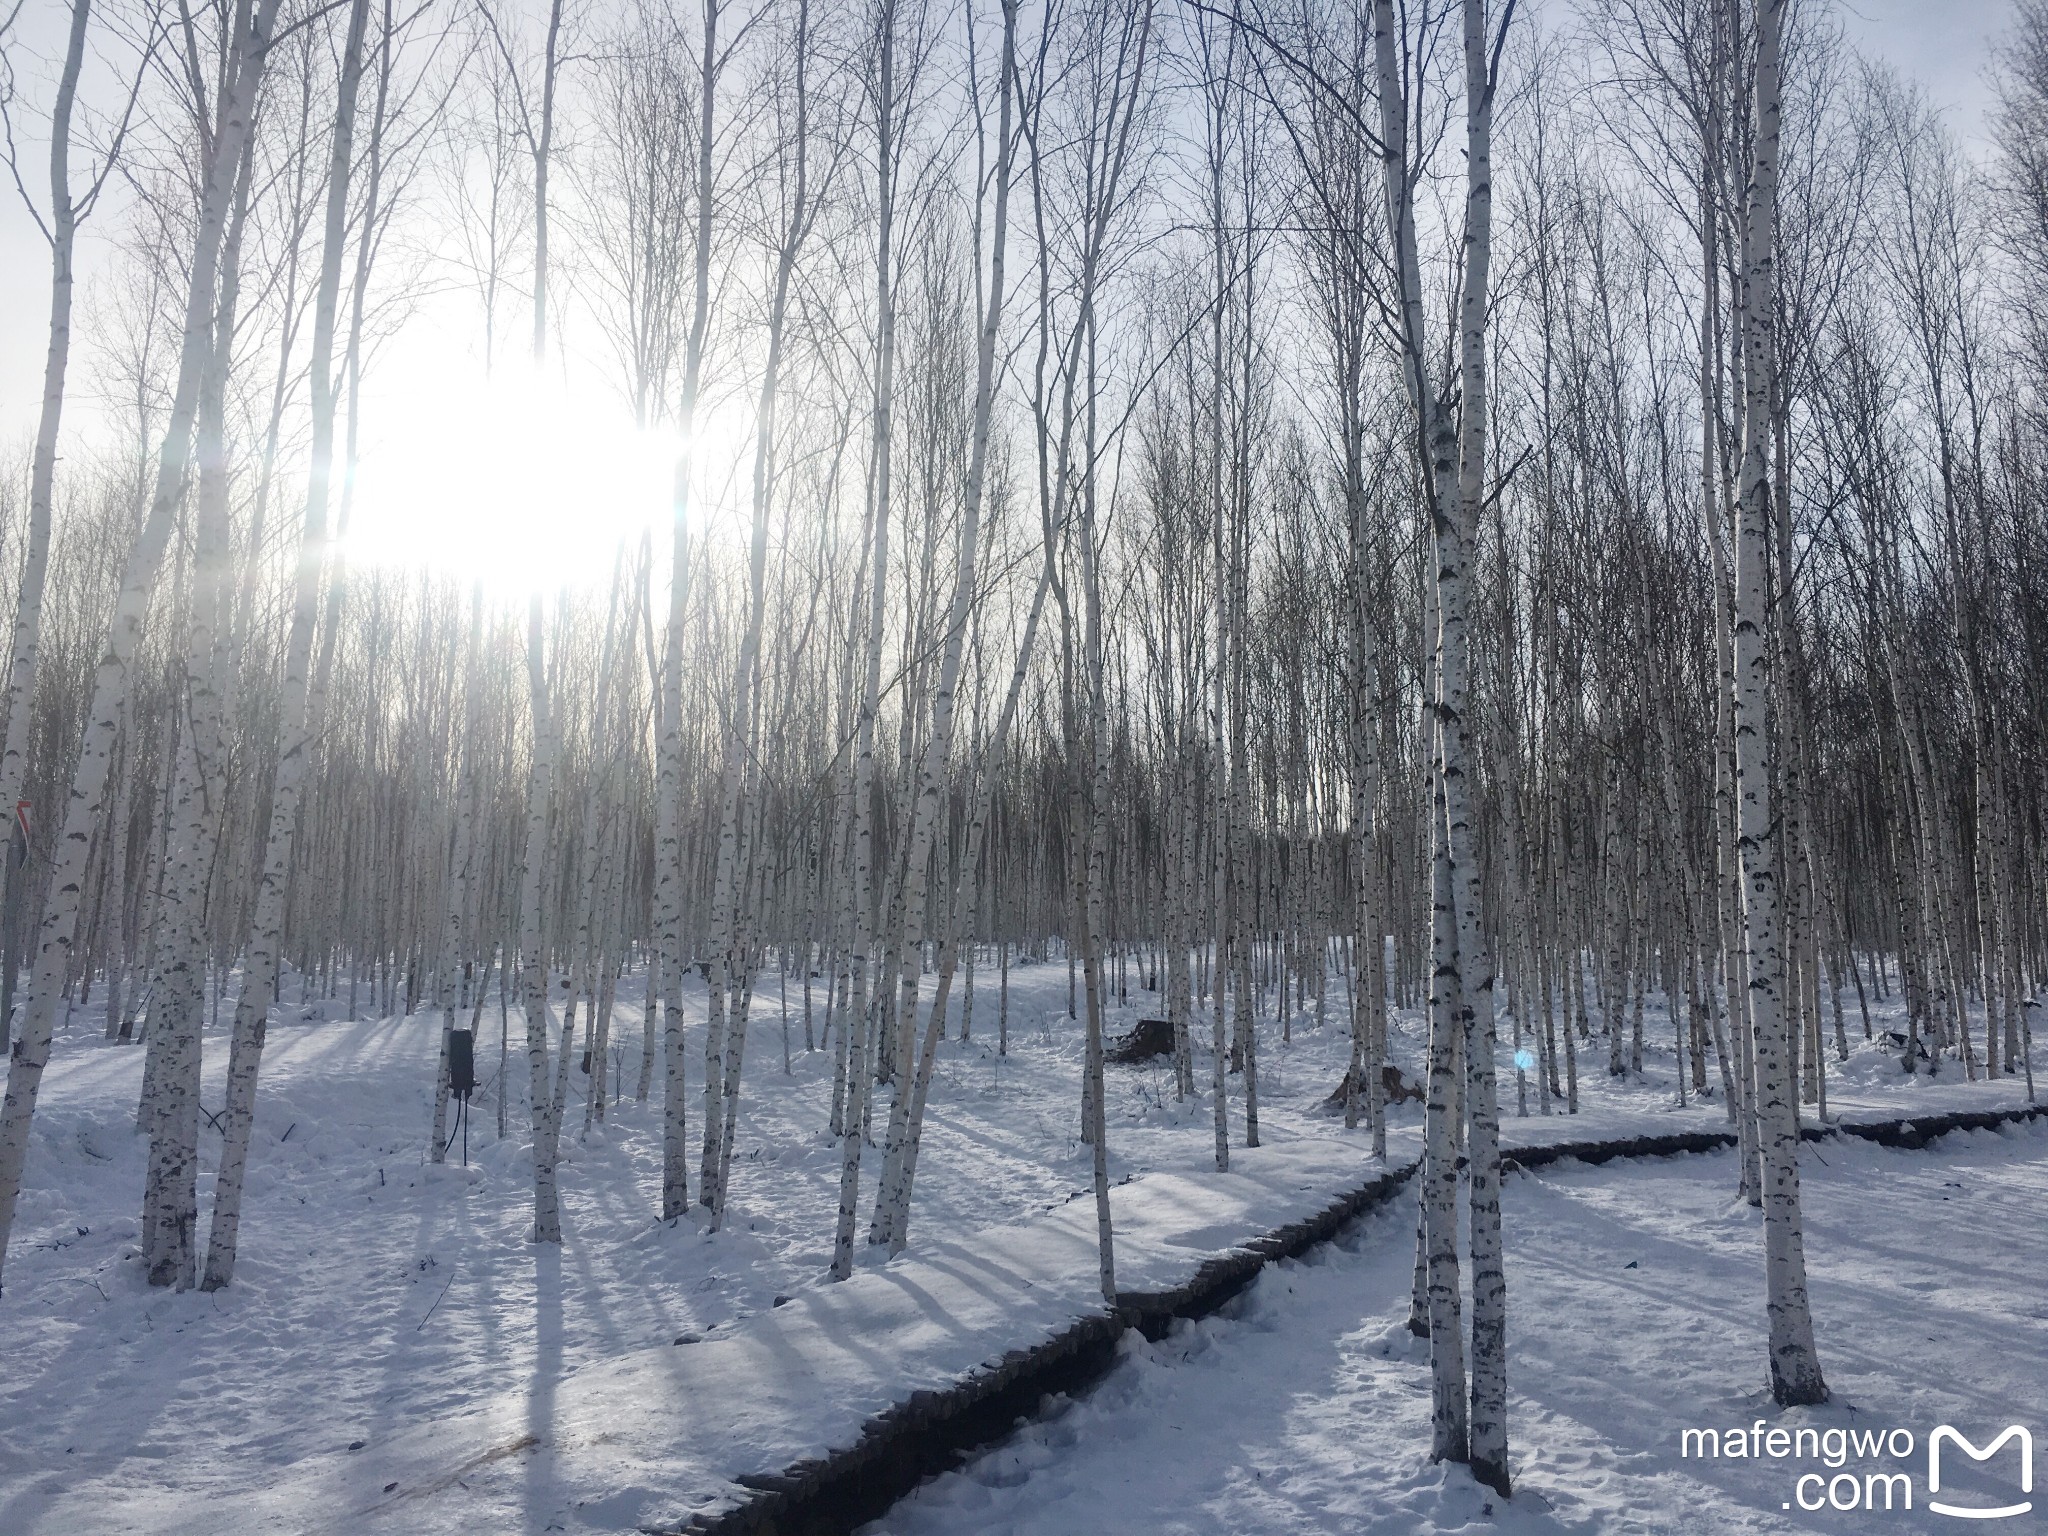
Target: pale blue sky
column 1942, row 43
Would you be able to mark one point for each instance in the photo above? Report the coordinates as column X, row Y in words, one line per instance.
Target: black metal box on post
column 461, row 1062
column 462, row 1078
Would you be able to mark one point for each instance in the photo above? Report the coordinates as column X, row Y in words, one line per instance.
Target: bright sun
column 518, row 482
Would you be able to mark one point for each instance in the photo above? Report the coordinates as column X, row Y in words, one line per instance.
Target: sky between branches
column 1943, row 45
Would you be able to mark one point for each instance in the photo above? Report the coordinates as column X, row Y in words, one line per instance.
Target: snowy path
column 1636, row 1312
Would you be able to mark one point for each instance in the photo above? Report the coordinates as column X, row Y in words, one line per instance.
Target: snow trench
column 935, row 1430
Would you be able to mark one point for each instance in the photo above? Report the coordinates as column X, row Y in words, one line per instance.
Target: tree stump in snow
column 1896, row 1040
column 1397, row 1088
column 1151, row 1039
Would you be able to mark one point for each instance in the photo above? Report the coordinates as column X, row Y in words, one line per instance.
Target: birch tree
column 1795, row 1366
column 254, row 22
column 260, row 966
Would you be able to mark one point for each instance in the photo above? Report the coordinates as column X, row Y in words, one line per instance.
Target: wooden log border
column 938, row 1429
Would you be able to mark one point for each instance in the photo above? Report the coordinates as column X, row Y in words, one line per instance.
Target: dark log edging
column 935, row 1430
column 1911, row 1132
column 1915, row 1131
column 1671, row 1144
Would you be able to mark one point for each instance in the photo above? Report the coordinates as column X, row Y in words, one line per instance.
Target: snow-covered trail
column 1637, row 1312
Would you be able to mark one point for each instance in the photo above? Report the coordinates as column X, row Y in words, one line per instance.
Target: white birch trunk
column 453, row 956
column 31, row 1049
column 1449, row 1413
column 864, row 967
column 28, row 608
column 675, row 1188
column 892, row 1211
column 177, row 987
column 722, row 1058
column 266, row 935
column 1795, row 1365
column 533, row 974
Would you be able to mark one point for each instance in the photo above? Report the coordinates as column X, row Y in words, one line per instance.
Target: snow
column 395, row 1355
column 1637, row 1312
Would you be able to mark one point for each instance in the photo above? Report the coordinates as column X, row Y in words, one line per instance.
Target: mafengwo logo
column 1945, row 1435
column 1871, row 1470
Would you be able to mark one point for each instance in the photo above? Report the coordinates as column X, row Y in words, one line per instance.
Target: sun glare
column 518, row 482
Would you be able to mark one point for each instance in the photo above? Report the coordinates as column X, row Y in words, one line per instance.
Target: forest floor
column 378, row 1295
column 1636, row 1305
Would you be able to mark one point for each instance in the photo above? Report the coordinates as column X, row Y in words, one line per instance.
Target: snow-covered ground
column 379, row 1296
column 1637, row 1313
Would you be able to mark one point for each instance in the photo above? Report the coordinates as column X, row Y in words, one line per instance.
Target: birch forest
column 1456, row 571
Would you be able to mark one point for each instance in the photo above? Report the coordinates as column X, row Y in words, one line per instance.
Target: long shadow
column 546, row 1383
